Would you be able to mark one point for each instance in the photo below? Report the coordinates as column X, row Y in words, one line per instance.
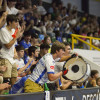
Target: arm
column 3, row 19
column 64, row 58
column 53, row 77
column 15, row 54
column 65, row 83
column 10, row 44
column 4, row 86
column 3, row 8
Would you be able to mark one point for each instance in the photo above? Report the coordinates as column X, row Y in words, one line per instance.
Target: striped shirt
column 44, row 67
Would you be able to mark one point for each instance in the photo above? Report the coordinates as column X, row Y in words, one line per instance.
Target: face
column 60, row 53
column 36, row 53
column 14, row 24
column 96, row 75
column 48, row 40
column 21, row 53
column 27, row 38
column 67, row 50
column 98, row 83
column 96, row 35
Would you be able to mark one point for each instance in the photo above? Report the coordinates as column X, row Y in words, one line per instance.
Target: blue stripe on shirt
column 44, row 71
column 50, row 72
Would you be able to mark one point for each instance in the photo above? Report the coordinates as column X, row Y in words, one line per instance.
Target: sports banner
column 81, row 94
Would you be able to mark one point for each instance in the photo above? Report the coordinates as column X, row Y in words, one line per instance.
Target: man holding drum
column 44, row 70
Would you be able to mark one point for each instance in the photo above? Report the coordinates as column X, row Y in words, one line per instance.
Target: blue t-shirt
column 24, row 44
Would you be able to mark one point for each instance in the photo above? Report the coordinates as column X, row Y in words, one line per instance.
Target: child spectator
column 98, row 81
column 92, row 80
column 21, row 67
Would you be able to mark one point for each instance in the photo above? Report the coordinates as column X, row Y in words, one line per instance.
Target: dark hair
column 44, row 46
column 95, row 32
column 27, row 33
column 34, row 35
column 31, row 50
column 11, row 18
column 45, row 39
column 18, row 48
column 66, row 44
column 88, row 34
column 93, row 72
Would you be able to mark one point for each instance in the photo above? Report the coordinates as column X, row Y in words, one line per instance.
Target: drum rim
column 82, row 76
column 85, row 74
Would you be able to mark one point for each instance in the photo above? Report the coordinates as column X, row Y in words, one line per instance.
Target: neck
column 32, row 57
column 18, row 58
column 54, row 56
column 9, row 28
column 41, row 54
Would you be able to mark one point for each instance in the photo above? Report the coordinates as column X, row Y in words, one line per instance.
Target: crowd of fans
column 28, row 35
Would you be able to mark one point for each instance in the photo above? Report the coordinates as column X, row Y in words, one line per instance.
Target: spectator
column 26, row 41
column 18, row 87
column 35, row 40
column 43, row 49
column 85, row 46
column 98, row 81
column 32, row 54
column 12, row 10
column 41, row 10
column 47, row 40
column 92, row 80
column 21, row 67
column 96, row 42
column 8, row 39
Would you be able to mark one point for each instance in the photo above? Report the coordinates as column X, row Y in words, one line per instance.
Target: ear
column 56, row 51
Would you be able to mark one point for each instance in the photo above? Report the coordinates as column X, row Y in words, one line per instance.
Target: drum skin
column 78, row 70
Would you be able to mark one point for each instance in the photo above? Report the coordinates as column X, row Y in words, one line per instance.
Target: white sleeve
column 50, row 65
column 4, row 37
column 15, row 11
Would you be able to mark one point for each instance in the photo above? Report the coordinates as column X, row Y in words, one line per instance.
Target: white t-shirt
column 20, row 63
column 96, row 42
column 41, row 10
column 5, row 38
column 12, row 10
column 44, row 67
column 59, row 66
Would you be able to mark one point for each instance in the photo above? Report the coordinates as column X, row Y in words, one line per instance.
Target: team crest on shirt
column 52, row 67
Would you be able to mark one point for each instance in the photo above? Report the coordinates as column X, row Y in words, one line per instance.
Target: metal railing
column 78, row 37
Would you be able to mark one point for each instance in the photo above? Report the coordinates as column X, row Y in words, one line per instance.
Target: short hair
column 93, row 72
column 34, row 35
column 44, row 46
column 18, row 48
column 11, row 18
column 66, row 44
column 57, row 46
column 89, row 33
column 27, row 33
column 31, row 49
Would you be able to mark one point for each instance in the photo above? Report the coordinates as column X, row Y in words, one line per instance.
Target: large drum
column 78, row 70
